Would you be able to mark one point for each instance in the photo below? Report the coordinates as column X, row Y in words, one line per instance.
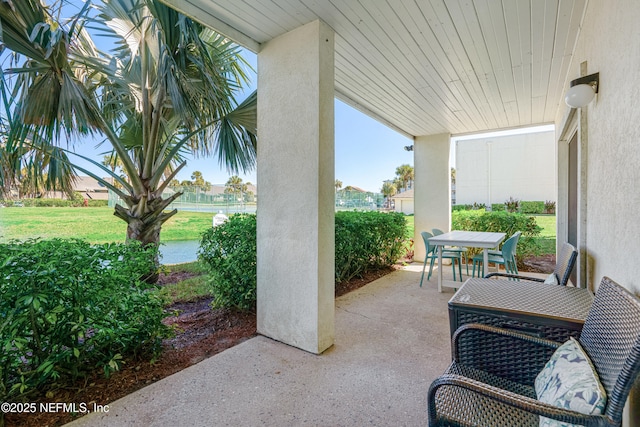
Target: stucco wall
column 609, row 44
column 432, row 195
column 491, row 170
column 296, row 151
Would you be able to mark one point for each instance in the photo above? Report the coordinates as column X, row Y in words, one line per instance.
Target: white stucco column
column 432, row 194
column 296, row 238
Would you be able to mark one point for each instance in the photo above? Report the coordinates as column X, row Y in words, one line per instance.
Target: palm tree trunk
column 144, row 217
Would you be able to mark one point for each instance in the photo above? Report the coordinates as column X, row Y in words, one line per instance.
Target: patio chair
column 492, row 379
column 507, row 257
column 565, row 261
column 432, row 255
column 462, row 251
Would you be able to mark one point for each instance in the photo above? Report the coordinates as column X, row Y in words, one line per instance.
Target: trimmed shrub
column 367, row 241
column 69, row 307
column 460, row 208
column 501, row 222
column 364, row 241
column 534, row 208
column 77, row 201
column 230, row 252
column 498, row 207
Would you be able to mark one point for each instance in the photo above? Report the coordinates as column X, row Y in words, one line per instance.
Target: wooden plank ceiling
column 426, row 67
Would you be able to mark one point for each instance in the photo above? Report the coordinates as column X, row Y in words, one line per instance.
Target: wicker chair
column 565, row 261
column 490, row 381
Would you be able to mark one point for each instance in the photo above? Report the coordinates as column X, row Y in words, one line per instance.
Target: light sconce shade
column 582, row 91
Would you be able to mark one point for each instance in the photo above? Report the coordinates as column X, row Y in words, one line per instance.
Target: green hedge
column 504, row 222
column 367, row 241
column 534, row 208
column 455, row 208
column 77, row 201
column 525, row 207
column 230, row 252
column 69, row 307
column 364, row 241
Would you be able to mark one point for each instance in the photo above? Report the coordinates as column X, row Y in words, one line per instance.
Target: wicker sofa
column 496, row 388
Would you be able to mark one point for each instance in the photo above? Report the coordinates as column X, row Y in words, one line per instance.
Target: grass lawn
column 190, row 289
column 98, row 225
column 95, row 225
column 410, row 226
column 547, row 239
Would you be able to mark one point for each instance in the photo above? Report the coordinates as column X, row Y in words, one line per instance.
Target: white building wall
column 491, row 170
column 405, row 206
column 608, row 44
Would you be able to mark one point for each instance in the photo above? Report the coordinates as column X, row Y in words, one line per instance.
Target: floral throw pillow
column 569, row 381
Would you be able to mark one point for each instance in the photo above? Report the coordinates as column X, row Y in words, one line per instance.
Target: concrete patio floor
column 392, row 341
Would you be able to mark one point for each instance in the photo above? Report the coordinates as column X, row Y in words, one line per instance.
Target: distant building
column 88, row 188
column 404, row 202
column 491, row 170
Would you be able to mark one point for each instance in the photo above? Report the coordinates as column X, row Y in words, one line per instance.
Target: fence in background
column 197, row 200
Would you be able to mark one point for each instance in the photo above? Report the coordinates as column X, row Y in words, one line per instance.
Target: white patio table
column 473, row 239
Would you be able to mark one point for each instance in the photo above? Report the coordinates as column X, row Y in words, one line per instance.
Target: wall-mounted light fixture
column 582, row 91
column 408, row 147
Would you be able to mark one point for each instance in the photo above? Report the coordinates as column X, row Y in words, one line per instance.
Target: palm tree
column 197, row 178
column 338, row 185
column 166, row 89
column 405, row 175
column 388, row 189
column 20, row 163
column 236, row 187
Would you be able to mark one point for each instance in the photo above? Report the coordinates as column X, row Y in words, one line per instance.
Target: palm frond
column 236, row 140
column 51, row 98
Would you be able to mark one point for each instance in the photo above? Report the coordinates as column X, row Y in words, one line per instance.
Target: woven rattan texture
column 611, row 338
column 525, row 297
column 488, row 378
column 467, row 396
column 502, row 356
column 465, row 408
column 550, row 332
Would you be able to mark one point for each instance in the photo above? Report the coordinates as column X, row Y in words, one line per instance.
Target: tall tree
column 197, row 178
column 166, row 89
column 235, row 186
column 388, row 189
column 404, row 173
column 338, row 185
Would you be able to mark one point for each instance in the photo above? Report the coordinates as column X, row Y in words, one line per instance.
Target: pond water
column 176, row 252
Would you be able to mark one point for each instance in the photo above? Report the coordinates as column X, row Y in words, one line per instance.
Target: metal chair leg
column 424, row 264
